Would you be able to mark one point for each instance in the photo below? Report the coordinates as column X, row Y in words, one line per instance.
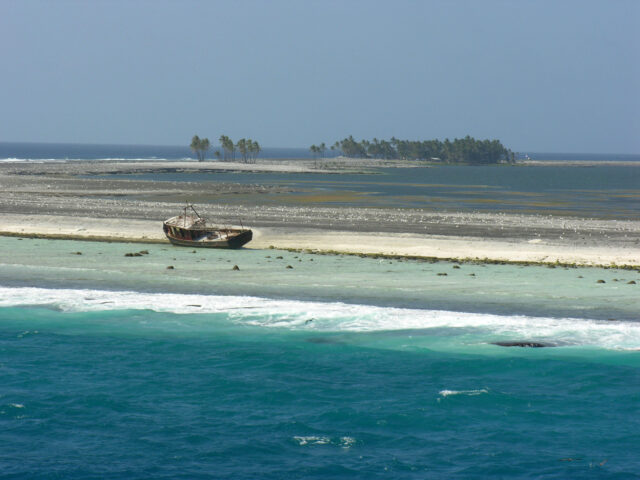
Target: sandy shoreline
column 390, row 244
column 53, row 200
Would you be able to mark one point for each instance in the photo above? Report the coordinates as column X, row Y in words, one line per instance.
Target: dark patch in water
column 524, row 343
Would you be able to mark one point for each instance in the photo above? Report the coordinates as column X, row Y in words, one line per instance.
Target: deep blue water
column 141, row 394
column 77, row 151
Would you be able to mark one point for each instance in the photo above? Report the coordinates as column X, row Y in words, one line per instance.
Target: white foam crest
column 336, row 317
column 30, row 160
column 312, row 440
column 470, row 393
column 105, row 159
column 344, row 442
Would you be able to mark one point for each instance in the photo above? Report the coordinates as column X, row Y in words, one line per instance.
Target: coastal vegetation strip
column 460, row 150
column 465, row 150
column 247, row 148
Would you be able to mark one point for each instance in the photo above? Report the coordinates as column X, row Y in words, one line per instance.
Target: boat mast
column 194, row 210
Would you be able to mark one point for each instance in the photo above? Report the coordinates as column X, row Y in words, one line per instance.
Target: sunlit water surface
column 339, row 367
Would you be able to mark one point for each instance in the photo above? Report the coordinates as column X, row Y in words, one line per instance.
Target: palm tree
column 224, row 143
column 200, row 146
column 195, row 145
column 242, row 148
column 254, row 150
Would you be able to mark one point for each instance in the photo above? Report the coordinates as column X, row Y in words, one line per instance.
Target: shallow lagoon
column 601, row 192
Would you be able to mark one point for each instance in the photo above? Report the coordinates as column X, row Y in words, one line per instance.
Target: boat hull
column 232, row 241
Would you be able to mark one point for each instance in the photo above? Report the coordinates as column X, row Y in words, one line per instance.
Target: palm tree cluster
column 318, row 150
column 228, row 149
column 249, row 149
column 200, row 147
column 460, row 150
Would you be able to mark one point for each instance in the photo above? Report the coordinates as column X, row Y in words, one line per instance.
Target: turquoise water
column 341, row 367
column 141, row 394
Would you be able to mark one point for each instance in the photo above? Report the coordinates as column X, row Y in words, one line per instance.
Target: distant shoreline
column 274, row 165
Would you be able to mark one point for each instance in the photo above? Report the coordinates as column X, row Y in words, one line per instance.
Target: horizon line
column 186, row 146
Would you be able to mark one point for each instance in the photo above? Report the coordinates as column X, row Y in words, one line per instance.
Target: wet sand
column 52, row 200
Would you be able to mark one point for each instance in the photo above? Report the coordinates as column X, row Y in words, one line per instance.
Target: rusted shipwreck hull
column 192, row 230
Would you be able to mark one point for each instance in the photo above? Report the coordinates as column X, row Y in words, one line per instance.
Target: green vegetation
column 318, row 150
column 200, row 146
column 228, row 148
column 460, row 150
column 249, row 149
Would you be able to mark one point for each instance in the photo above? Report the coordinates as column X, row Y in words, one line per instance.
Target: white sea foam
column 337, row 317
column 312, row 440
column 344, row 442
column 30, row 160
column 347, row 442
column 106, row 159
column 470, row 393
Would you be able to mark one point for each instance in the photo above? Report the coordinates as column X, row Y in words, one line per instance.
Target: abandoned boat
column 192, row 230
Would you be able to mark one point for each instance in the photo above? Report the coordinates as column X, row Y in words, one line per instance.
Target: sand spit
column 372, row 243
column 102, row 167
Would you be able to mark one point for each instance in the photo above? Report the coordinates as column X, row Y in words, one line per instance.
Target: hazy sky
column 561, row 76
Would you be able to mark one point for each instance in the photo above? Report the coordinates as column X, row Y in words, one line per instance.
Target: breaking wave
column 337, row 317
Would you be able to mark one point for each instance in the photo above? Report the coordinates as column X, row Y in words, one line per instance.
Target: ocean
column 38, row 152
column 338, row 367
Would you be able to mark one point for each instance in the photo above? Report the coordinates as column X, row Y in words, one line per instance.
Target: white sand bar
column 434, row 246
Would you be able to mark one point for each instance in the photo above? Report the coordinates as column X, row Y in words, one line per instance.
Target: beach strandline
column 535, row 251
